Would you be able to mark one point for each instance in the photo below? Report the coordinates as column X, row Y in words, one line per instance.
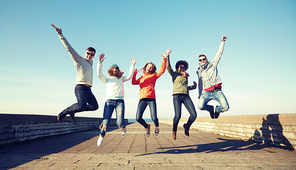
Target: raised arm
column 131, row 70
column 163, row 64
column 75, row 56
column 168, row 64
column 99, row 68
column 134, row 81
column 220, row 51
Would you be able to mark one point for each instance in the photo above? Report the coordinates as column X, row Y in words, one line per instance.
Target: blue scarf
column 204, row 66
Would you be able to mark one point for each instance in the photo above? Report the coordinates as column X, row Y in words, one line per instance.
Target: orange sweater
column 147, row 82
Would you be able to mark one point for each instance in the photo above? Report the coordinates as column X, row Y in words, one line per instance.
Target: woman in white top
column 115, row 95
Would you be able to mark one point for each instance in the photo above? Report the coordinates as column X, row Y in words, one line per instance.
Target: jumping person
column 147, row 93
column 115, row 95
column 209, row 79
column 181, row 94
column 86, row 101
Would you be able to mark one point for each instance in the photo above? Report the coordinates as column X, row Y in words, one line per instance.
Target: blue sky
column 37, row 75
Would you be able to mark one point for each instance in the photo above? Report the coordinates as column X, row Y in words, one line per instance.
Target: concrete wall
column 15, row 128
column 273, row 129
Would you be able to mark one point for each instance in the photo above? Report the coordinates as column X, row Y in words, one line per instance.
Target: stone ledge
column 16, row 128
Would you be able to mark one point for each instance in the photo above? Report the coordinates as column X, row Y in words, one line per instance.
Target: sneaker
column 186, row 129
column 156, row 131
column 148, row 131
column 100, row 140
column 62, row 115
column 174, row 135
column 217, row 114
column 123, row 131
column 212, row 112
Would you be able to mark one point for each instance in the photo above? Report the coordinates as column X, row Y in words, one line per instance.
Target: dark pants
column 153, row 112
column 86, row 101
column 178, row 99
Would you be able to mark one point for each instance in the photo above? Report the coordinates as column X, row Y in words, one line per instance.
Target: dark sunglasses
column 202, row 59
column 116, row 68
column 182, row 67
column 90, row 54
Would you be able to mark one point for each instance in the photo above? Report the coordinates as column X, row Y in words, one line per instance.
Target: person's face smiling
column 149, row 68
column 181, row 68
column 202, row 60
column 89, row 55
column 115, row 70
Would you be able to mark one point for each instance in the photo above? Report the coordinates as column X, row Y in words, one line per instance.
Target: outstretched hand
column 166, row 53
column 224, row 38
column 59, row 30
column 133, row 62
column 101, row 57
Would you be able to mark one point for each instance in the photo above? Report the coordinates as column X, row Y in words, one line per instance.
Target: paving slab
column 136, row 151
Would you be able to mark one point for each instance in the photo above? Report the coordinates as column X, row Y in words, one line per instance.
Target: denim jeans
column 217, row 95
column 178, row 99
column 109, row 107
column 153, row 112
column 86, row 101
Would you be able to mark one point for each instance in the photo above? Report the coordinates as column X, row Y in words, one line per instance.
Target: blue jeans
column 217, row 95
column 86, row 101
column 109, row 107
column 153, row 112
column 178, row 99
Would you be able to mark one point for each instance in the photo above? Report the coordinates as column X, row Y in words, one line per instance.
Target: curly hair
column 154, row 67
column 181, row 62
column 118, row 75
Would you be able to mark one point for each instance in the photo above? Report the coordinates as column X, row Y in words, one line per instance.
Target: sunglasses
column 90, row 54
column 182, row 67
column 116, row 68
column 202, row 60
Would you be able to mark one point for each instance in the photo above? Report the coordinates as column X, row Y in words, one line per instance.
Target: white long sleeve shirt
column 114, row 85
column 84, row 74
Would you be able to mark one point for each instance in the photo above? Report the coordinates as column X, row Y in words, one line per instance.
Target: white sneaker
column 123, row 131
column 100, row 140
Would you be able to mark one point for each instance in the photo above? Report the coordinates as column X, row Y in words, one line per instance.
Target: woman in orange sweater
column 147, row 92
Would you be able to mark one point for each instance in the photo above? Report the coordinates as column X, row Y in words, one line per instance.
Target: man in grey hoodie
column 210, row 84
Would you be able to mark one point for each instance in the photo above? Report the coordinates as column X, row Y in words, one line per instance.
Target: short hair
column 110, row 71
column 154, row 67
column 91, row 49
column 202, row 55
column 181, row 62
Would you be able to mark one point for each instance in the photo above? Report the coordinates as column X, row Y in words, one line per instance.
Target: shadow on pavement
column 36, row 149
column 223, row 146
column 272, row 133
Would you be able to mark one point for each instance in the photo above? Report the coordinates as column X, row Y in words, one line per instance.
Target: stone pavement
column 136, row 151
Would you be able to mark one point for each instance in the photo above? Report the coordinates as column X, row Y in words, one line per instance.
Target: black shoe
column 72, row 115
column 62, row 115
column 217, row 114
column 212, row 112
column 186, row 129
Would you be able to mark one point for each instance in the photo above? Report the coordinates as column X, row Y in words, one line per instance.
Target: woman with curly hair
column 181, row 95
column 115, row 95
column 147, row 93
